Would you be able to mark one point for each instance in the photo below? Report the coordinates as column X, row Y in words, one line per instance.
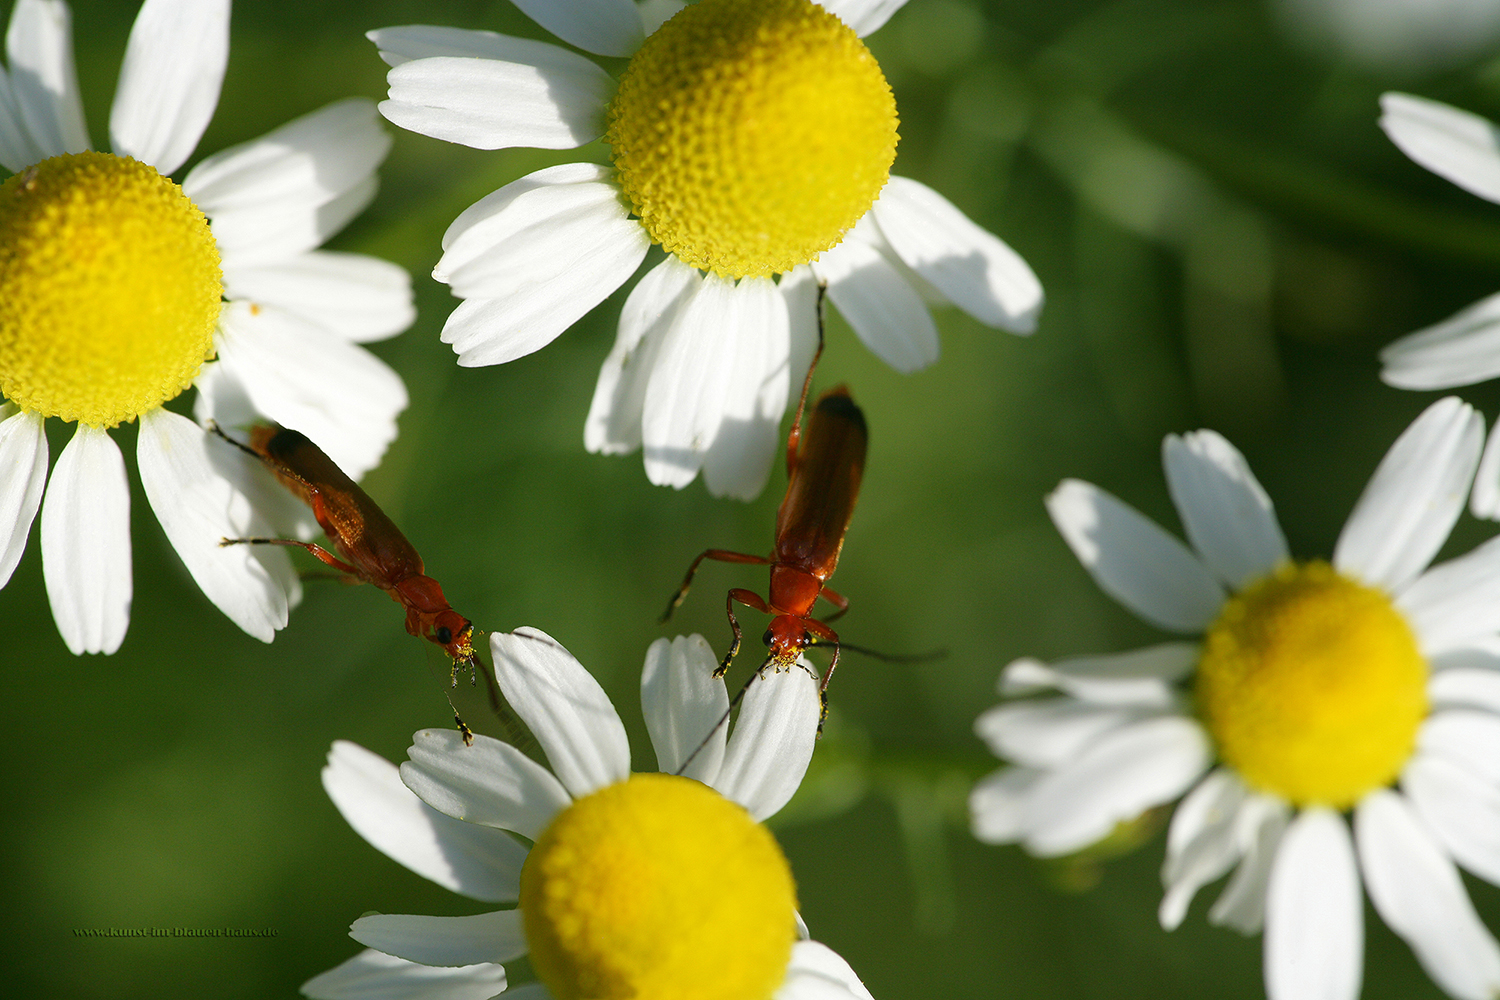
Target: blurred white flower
column 1318, row 687
column 1396, row 34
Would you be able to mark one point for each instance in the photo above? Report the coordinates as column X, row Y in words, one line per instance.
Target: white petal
column 1461, row 810
column 739, row 461
column 292, row 188
column 1122, row 774
column 773, row 740
column 817, row 972
column 356, row 296
column 1227, row 515
column 970, row 266
column 86, row 543
column 564, row 707
column 473, row 860
column 686, row 707
column 1457, row 601
column 1461, row 350
column 889, row 317
column 340, row 395
column 444, row 941
column 655, row 13
column 1141, row 677
column 1484, row 501
column 1201, row 843
column 1258, row 829
column 1455, row 144
column 1417, row 892
column 373, row 975
column 1465, row 687
column 533, row 95
column 1050, row 732
column 247, row 236
column 533, row 257
column 1405, row 513
column 406, row 42
column 306, row 162
column 1467, row 737
column 998, row 801
column 197, row 506
column 169, row 82
column 489, row 783
column 1314, row 915
column 603, row 27
column 18, row 150
column 23, row 454
column 685, row 394
column 1133, row 560
column 613, row 426
column 864, row 16
column 39, row 51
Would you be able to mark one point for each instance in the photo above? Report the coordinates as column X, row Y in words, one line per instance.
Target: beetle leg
column 794, row 436
column 749, row 599
column 721, row 555
column 839, row 601
column 317, row 551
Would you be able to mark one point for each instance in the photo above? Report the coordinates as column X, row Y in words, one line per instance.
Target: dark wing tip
column 836, row 402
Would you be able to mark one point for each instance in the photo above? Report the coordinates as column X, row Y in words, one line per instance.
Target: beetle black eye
column 444, row 635
column 807, row 639
column 766, row 639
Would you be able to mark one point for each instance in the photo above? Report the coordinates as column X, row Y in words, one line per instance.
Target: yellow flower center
column 1313, row 686
column 658, row 887
column 109, row 289
column 750, row 135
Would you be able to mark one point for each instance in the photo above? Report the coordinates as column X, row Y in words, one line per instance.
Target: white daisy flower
column 750, row 138
column 1464, row 348
column 1370, row 685
column 655, row 885
column 117, row 285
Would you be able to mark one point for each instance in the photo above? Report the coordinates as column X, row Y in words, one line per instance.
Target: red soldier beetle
column 823, row 469
column 371, row 549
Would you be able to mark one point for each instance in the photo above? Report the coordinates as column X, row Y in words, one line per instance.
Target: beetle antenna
column 875, row 654
column 212, row 426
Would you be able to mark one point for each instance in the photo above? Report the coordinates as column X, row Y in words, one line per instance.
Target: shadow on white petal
column 373, row 975
column 1227, row 515
column 970, row 266
column 489, row 782
column 472, row 860
column 444, row 941
column 197, row 507
column 1133, row 560
column 613, row 426
column 564, row 707
column 773, row 739
column 686, row 707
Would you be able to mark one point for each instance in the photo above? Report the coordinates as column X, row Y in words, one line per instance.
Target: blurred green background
column 1226, row 240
